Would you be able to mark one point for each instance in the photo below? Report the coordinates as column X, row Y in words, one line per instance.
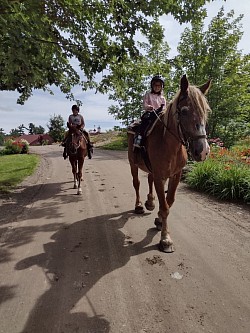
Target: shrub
column 225, row 175
column 15, row 147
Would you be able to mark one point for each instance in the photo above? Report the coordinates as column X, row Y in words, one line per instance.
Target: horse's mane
column 197, row 99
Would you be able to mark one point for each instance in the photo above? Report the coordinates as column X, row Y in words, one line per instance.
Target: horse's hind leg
column 166, row 243
column 136, row 183
column 150, row 203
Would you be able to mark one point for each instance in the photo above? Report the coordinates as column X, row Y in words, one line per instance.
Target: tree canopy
column 42, row 42
column 202, row 54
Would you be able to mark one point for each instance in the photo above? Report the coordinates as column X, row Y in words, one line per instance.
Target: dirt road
column 87, row 264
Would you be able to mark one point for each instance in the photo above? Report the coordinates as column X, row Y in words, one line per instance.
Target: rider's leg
column 89, row 144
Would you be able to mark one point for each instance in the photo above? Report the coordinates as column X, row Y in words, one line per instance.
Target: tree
column 15, row 132
column 130, row 81
column 56, row 128
column 42, row 42
column 31, row 128
column 2, row 135
column 35, row 130
column 213, row 54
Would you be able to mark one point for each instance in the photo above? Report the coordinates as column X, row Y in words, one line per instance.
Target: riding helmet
column 157, row 78
column 75, row 107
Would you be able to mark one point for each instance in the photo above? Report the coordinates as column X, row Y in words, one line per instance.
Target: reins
column 180, row 137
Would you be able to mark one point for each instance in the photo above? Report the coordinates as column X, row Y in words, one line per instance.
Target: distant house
column 36, row 139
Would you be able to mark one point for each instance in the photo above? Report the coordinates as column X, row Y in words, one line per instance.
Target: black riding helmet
column 75, row 107
column 157, row 78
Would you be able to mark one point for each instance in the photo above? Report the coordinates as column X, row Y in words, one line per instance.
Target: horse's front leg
column 136, row 183
column 166, row 243
column 150, row 203
column 79, row 176
column 172, row 187
column 74, row 169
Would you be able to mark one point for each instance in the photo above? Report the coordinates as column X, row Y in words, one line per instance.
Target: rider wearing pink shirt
column 152, row 101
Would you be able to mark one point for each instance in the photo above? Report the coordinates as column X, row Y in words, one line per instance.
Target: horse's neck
column 169, row 118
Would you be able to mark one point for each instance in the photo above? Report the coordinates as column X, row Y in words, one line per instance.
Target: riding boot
column 65, row 153
column 140, row 135
column 90, row 149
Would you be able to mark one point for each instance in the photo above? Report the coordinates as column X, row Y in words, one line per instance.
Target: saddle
column 144, row 127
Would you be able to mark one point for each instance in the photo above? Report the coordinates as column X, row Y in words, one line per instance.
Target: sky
column 42, row 106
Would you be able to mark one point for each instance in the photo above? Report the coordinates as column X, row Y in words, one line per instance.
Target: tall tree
column 56, row 127
column 214, row 54
column 40, row 38
column 130, row 81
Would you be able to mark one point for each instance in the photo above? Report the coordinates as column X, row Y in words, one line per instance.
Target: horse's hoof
column 75, row 186
column 139, row 210
column 167, row 248
column 158, row 224
column 149, row 207
column 79, row 192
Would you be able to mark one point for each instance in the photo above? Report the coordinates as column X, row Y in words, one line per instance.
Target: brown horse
column 77, row 151
column 179, row 128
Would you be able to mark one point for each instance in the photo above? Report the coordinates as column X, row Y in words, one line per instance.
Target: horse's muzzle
column 199, row 149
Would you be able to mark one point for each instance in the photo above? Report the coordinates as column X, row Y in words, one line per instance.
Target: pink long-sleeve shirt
column 153, row 100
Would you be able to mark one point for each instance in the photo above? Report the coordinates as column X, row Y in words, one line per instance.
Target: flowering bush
column 225, row 174
column 15, row 147
column 25, row 146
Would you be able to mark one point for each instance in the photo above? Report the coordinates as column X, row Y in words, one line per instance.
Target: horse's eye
column 184, row 111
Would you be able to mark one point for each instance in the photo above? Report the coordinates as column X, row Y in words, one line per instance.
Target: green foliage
column 15, row 168
column 39, row 38
column 1, row 139
column 213, row 54
column 225, row 175
column 131, row 80
column 56, row 128
column 118, row 143
column 35, row 130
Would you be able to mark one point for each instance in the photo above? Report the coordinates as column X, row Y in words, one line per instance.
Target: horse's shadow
column 78, row 256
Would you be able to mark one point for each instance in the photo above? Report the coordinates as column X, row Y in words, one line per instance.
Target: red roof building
column 36, row 139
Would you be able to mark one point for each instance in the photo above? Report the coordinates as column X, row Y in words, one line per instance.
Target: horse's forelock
column 197, row 99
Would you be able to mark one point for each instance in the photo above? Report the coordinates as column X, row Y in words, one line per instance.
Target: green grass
column 15, row 168
column 225, row 182
column 112, row 141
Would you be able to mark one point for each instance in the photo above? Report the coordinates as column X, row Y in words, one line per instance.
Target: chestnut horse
column 77, row 151
column 179, row 128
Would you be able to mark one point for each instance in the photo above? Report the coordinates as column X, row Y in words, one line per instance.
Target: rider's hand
column 150, row 108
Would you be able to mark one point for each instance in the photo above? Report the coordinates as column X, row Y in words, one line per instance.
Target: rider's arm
column 82, row 122
column 146, row 103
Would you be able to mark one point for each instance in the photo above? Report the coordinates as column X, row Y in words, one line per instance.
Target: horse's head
column 75, row 140
column 192, row 109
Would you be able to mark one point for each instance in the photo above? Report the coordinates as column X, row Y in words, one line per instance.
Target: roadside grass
column 15, row 168
column 110, row 141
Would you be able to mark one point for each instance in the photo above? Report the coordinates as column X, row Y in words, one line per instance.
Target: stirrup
column 136, row 145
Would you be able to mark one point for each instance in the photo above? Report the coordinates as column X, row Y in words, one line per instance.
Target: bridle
column 74, row 145
column 185, row 140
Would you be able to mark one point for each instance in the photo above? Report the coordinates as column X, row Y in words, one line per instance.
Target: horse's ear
column 205, row 87
column 184, row 84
